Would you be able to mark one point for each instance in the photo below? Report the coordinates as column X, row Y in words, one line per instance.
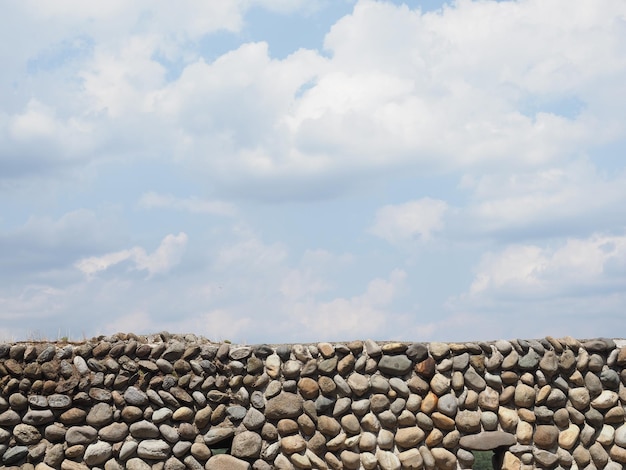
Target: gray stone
column 97, row 453
column 161, row 415
column 38, row 402
column 54, row 456
column 487, row 440
column 137, row 464
column 227, row 462
column 529, row 361
column 545, row 458
column 80, row 435
column 153, row 449
column 114, row 432
column 246, row 445
column 284, row 405
column 134, row 396
column 254, row 419
column 9, row 418
column 169, row 433
column 474, row 381
column 181, row 448
column 38, row 417
column 100, row 415
column 372, row 348
column 144, row 430
column 26, row 434
column 447, row 404
column 399, row 386
column 81, row 365
column 58, row 401
column 218, row 434
column 396, row 365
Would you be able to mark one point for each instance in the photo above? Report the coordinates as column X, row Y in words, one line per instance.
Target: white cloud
column 474, row 85
column 410, row 221
column 165, row 257
column 364, row 315
column 594, row 265
column 574, row 199
column 152, row 200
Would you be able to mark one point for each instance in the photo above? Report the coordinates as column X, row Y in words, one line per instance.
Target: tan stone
column 489, row 399
column 287, row 427
column 524, row 396
column 409, row 437
column 411, row 459
column 510, row 462
column 607, row 399
column 615, row 415
column 618, row 454
column 471, row 401
column 308, row 388
column 546, row 436
column 300, row 461
column 451, row 440
column 542, row 394
column 332, row 461
column 272, row 366
column 444, row 459
column 606, row 435
column 581, row 456
column 328, row 426
column 434, row 438
column 524, row 433
column 227, row 462
column 599, row 455
column 468, row 421
column 569, row 437
column 388, row 460
column 350, row 460
column 442, row 421
column 429, row 403
column 291, row 444
column 527, row 415
column 369, row 461
column 367, row 441
column 579, row 397
column 508, row 419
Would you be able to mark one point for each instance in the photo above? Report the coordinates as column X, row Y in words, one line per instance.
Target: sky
column 278, row 171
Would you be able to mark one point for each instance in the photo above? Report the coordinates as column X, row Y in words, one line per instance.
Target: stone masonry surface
column 177, row 402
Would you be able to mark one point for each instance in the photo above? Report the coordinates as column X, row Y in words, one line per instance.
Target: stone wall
column 175, row 402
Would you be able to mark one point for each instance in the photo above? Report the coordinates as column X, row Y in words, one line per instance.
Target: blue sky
column 285, row 171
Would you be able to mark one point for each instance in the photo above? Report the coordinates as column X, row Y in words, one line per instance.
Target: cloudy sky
column 285, row 171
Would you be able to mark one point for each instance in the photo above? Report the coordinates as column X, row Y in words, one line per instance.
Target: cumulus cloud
column 535, row 271
column 475, row 83
column 165, row 257
column 413, row 220
column 575, row 198
column 552, row 288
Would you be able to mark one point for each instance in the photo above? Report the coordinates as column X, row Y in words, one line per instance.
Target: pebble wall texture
column 175, row 402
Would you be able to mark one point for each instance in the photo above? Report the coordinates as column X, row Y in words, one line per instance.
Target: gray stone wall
column 180, row 402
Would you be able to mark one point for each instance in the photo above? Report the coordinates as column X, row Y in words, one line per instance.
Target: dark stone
column 396, row 365
column 47, row 354
column 417, row 352
column 14, row 454
column 262, row 351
